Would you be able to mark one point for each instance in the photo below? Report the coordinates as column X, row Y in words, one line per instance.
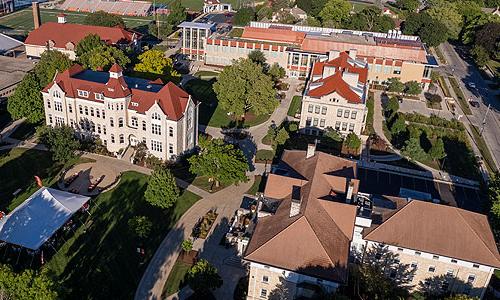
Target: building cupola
column 115, row 71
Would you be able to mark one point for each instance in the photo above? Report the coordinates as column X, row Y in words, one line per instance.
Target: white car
column 472, row 85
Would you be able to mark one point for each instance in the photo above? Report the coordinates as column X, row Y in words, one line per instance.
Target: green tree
column 220, row 162
column 264, row 13
column 243, row 86
column 279, row 4
column 102, row 18
column 408, row 5
column 281, row 138
column 51, row 61
column 371, row 19
column 494, row 201
column 203, row 277
column 480, row 55
column 413, row 150
column 276, row 72
column 398, row 124
column 243, row 16
column 335, row 12
column 447, row 13
column 437, row 150
column 155, row 62
column 88, row 43
column 488, row 36
column 103, row 57
column 312, row 21
column 187, row 245
column 141, row 226
column 27, row 102
column 391, row 107
column 257, row 57
column 177, row 13
column 160, row 29
column 60, row 140
column 352, row 141
column 26, row 285
column 395, row 85
column 433, row 34
column 413, row 88
column 162, row 190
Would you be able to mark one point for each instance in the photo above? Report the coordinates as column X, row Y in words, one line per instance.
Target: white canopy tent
column 33, row 222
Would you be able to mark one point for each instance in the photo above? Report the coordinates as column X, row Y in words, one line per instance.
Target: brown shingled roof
column 316, row 241
column 439, row 229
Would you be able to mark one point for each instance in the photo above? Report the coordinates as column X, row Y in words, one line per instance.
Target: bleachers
column 120, row 7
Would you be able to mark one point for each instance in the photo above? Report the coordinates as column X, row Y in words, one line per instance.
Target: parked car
column 474, row 103
column 472, row 85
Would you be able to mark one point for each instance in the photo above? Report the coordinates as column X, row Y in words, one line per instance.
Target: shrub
column 140, row 225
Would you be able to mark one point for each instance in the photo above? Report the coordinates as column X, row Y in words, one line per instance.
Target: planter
column 202, row 228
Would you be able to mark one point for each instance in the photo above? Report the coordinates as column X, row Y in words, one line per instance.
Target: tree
column 88, row 43
column 433, row 98
column 243, row 16
column 395, row 85
column 140, row 225
column 177, row 13
column 413, row 88
column 312, row 21
column 413, row 150
column 331, row 136
column 352, row 141
column 285, row 17
column 257, row 57
column 51, row 61
column 60, row 140
column 431, row 31
column 243, row 86
column 103, row 57
column 160, row 29
column 220, row 162
column 281, row 138
column 408, row 5
column 371, row 19
column 280, row 4
column 398, row 124
column 26, row 285
column 187, row 245
column 102, row 18
column 203, row 277
column 488, row 36
column 335, row 12
column 162, row 190
column 391, row 107
column 27, row 102
column 155, row 62
column 437, row 151
column 447, row 13
column 276, row 72
column 264, row 13
column 480, row 55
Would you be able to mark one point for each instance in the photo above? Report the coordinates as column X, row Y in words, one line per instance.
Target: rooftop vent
column 296, row 201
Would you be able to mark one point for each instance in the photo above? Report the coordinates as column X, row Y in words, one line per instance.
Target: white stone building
column 336, row 95
column 123, row 111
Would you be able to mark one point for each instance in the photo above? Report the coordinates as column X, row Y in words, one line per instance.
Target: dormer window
column 83, row 93
column 99, row 96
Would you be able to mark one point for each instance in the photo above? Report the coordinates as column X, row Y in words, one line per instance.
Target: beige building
column 123, row 111
column 335, row 95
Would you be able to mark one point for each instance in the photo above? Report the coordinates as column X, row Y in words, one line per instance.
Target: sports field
column 22, row 21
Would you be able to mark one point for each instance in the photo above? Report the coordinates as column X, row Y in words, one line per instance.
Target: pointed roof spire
column 116, row 68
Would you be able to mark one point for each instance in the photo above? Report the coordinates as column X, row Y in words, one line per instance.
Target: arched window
column 111, row 122
column 113, row 138
column 120, row 122
column 156, row 116
column 122, row 139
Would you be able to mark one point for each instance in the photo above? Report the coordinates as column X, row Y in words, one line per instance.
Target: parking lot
column 384, row 183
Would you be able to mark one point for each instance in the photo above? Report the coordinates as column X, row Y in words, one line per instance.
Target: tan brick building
column 123, row 111
column 335, row 95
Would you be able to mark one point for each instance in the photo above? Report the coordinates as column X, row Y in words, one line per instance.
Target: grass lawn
column 211, row 113
column 440, row 55
column 483, row 148
column 295, row 106
column 24, row 131
column 369, row 130
column 204, row 74
column 263, row 155
column 22, row 20
column 257, row 186
column 444, row 86
column 202, row 183
column 100, row 260
column 460, row 95
column 175, row 280
column 358, row 6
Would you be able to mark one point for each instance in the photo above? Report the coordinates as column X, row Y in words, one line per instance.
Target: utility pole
column 156, row 19
column 484, row 120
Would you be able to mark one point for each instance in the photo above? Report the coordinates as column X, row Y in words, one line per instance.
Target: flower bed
column 202, row 228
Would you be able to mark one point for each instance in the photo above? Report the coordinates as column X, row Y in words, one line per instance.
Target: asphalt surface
column 384, row 183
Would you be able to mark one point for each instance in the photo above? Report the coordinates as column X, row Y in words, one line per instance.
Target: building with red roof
column 123, row 111
column 64, row 37
column 335, row 95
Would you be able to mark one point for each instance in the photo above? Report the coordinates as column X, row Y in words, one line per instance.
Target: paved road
column 465, row 72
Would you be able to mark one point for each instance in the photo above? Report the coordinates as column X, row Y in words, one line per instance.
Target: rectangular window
column 98, row 96
column 104, row 129
column 263, row 293
column 346, row 113
column 354, row 114
column 48, row 104
column 323, row 110
column 308, row 121
column 265, row 279
column 171, row 148
column 144, row 125
column 98, row 129
column 435, row 257
column 50, row 119
column 351, row 127
column 315, row 122
column 156, row 146
column 396, row 70
column 156, row 129
column 339, row 112
column 86, row 111
column 111, row 122
column 309, row 108
column 378, row 68
column 122, row 139
column 344, row 126
column 112, row 138
column 417, row 253
column 387, row 69
column 98, row 113
column 103, row 114
column 134, row 121
column 70, row 108
column 471, row 279
column 475, row 266
column 322, row 123
column 59, row 121
column 454, row 261
column 92, row 111
column 414, row 265
column 316, row 109
column 83, row 93
column 170, row 131
column 80, row 108
column 58, row 106
column 337, row 125
column 432, row 269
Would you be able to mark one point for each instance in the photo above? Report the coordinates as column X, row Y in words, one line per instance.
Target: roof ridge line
column 397, row 212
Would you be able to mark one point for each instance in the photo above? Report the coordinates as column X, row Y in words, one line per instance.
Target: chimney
column 353, row 53
column 350, row 189
column 61, row 18
column 311, row 149
column 36, row 14
column 333, row 54
column 296, row 201
column 350, row 78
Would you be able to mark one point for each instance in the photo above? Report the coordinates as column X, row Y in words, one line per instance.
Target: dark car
column 474, row 104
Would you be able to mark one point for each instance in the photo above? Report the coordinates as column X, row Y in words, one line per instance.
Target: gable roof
column 315, row 242
column 441, row 230
column 62, row 34
column 332, row 84
column 144, row 93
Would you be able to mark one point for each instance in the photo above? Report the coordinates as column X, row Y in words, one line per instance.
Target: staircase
column 128, row 154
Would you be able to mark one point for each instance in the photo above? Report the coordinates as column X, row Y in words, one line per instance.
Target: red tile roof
column 273, row 34
column 62, row 34
column 172, row 99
